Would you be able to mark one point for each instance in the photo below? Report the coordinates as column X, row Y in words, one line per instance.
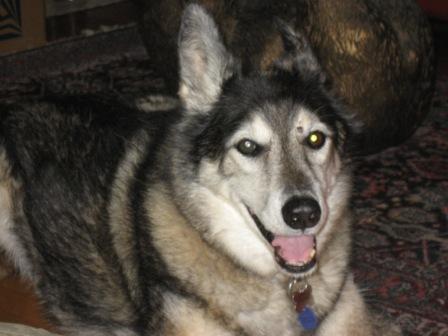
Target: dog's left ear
column 299, row 56
column 205, row 64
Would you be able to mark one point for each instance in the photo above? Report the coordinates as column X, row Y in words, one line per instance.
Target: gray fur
column 204, row 62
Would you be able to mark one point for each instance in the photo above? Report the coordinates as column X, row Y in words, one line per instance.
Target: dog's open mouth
column 295, row 254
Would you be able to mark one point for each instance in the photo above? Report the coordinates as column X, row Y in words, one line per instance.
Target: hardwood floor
column 18, row 303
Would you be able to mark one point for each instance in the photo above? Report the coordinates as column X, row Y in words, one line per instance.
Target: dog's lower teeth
column 303, row 263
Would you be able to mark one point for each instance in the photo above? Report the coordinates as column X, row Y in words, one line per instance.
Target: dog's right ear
column 205, row 64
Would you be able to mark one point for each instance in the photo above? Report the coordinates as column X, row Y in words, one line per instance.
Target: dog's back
column 58, row 162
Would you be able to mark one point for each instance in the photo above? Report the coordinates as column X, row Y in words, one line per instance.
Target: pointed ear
column 298, row 56
column 205, row 64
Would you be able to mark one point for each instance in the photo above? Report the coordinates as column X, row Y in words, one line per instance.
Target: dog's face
column 264, row 158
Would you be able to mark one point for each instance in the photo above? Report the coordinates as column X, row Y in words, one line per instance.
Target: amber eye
column 248, row 147
column 316, row 140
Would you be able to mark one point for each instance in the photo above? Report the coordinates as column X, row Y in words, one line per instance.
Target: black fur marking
column 152, row 277
column 67, row 156
column 210, row 131
column 309, row 92
column 66, row 151
column 217, row 127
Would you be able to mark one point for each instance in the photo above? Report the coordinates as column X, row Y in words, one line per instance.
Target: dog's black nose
column 301, row 212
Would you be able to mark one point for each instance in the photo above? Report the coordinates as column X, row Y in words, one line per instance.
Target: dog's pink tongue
column 294, row 249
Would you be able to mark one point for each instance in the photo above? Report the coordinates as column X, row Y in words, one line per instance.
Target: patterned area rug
column 401, row 237
column 401, row 195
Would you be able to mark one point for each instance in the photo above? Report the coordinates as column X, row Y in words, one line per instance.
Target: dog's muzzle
column 294, row 253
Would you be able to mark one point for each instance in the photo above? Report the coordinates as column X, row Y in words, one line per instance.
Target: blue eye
column 248, row 147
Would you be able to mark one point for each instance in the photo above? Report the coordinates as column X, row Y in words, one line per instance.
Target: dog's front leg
column 351, row 317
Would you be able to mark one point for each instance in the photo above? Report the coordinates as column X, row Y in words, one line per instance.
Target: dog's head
column 261, row 166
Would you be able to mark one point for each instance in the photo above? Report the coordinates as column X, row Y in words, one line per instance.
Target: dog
column 227, row 216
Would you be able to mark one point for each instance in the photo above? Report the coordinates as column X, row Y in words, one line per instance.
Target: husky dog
column 227, row 217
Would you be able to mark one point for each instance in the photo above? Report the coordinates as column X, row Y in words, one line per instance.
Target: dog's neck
column 213, row 275
column 264, row 303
